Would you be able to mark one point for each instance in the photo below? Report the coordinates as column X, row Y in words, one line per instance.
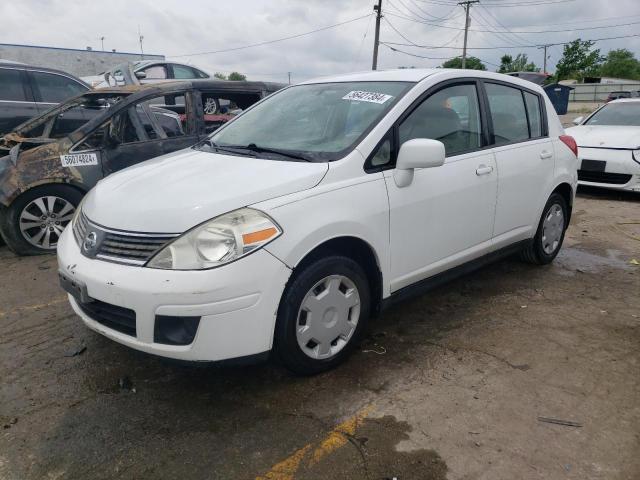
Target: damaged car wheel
column 34, row 222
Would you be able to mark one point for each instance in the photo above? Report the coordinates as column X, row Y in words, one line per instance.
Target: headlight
column 76, row 214
column 636, row 155
column 218, row 241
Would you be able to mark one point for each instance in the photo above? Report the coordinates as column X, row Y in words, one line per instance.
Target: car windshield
column 316, row 122
column 625, row 114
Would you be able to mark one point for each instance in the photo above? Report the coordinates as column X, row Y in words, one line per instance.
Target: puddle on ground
column 572, row 260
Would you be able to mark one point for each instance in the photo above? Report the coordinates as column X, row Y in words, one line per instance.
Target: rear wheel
column 35, row 220
column 322, row 315
column 550, row 234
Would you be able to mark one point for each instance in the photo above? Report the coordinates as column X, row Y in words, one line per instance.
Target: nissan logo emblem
column 90, row 241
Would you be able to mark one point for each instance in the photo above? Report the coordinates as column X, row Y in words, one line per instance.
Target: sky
column 191, row 31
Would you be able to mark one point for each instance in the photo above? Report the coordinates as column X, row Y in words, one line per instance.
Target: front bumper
column 622, row 172
column 236, row 303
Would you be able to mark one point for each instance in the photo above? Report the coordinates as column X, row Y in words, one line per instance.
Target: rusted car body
column 75, row 144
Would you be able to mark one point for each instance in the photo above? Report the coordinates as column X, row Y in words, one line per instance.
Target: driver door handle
column 484, row 170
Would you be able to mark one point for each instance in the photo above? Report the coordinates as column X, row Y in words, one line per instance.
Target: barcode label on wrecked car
column 373, row 97
column 79, row 159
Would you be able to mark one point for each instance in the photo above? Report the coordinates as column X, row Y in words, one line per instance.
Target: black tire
column 286, row 346
column 534, row 252
column 10, row 220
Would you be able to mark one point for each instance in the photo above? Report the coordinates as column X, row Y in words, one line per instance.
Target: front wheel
column 322, row 315
column 550, row 234
column 35, row 220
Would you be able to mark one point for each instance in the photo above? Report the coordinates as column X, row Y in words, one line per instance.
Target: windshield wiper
column 285, row 153
column 228, row 149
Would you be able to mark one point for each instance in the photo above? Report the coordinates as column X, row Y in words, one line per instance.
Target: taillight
column 570, row 142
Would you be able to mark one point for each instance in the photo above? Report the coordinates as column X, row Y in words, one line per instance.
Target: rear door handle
column 484, row 170
column 545, row 154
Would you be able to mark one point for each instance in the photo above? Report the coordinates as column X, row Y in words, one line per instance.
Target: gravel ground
column 449, row 385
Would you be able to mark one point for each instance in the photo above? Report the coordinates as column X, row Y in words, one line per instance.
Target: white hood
column 175, row 192
column 605, row 136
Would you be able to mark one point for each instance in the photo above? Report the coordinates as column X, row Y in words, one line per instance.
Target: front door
column 445, row 216
column 147, row 130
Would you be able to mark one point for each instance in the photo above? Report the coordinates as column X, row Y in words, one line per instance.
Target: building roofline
column 79, row 50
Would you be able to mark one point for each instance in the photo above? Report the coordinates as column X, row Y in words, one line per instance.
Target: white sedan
column 609, row 146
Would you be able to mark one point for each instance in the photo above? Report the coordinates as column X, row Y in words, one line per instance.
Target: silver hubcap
column 210, row 106
column 552, row 228
column 43, row 220
column 328, row 317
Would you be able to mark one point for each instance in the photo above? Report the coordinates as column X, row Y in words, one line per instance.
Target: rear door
column 16, row 99
column 524, row 157
column 51, row 89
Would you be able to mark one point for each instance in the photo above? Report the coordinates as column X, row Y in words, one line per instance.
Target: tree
column 233, row 76
column 237, row 76
column 620, row 63
column 472, row 63
column 519, row 64
column 578, row 60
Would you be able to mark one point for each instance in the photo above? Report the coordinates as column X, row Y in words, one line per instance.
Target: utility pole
column 378, row 9
column 140, row 38
column 102, row 40
column 544, row 69
column 467, row 7
column 289, row 73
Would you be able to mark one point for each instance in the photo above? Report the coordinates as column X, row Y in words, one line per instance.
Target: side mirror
column 417, row 153
column 578, row 121
column 141, row 75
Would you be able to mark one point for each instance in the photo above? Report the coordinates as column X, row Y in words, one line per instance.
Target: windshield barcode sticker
column 79, row 159
column 372, row 97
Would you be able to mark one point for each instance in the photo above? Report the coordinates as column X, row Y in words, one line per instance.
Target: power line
column 268, row 42
column 430, row 58
column 513, row 31
column 511, row 46
column 511, row 4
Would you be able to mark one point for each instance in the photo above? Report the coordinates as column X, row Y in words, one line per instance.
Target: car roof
column 24, row 66
column 625, row 100
column 419, row 74
column 223, row 85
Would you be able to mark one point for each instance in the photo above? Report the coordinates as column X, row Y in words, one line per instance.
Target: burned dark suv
column 48, row 163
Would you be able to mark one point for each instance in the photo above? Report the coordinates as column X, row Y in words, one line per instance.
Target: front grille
column 132, row 248
column 117, row 318
column 603, row 177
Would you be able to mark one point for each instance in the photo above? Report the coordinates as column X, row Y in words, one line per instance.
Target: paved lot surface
column 449, row 385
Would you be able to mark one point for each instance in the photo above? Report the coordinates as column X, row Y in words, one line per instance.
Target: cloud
column 177, row 28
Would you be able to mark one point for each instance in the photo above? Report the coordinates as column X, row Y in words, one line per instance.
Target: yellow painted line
column 286, row 469
column 337, row 438
column 27, row 308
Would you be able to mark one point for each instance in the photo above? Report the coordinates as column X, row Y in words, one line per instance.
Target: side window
column 507, row 113
column 383, row 155
column 56, row 88
column 182, row 72
column 156, row 72
column 533, row 110
column 11, row 85
column 200, row 73
column 451, row 115
column 151, row 117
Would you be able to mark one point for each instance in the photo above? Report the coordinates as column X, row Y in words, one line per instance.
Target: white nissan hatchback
column 291, row 225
